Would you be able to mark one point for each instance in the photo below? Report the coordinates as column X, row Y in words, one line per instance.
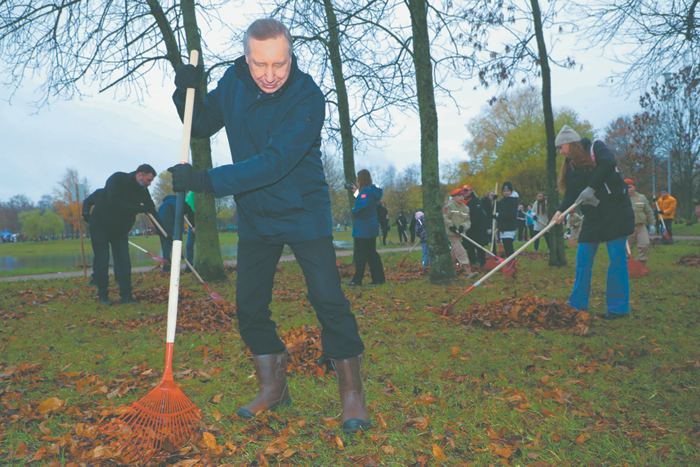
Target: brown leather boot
column 271, row 371
column 352, row 396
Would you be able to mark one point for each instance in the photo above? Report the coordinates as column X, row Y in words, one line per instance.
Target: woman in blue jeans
column 589, row 173
column 365, row 230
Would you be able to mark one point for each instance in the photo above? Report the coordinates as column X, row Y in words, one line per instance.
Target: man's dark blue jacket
column 119, row 203
column 613, row 217
column 366, row 224
column 277, row 175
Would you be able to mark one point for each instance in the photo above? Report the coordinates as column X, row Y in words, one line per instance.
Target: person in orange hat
column 457, row 221
column 643, row 216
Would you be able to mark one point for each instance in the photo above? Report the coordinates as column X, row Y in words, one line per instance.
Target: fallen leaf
column 388, row 449
column 50, row 405
column 438, row 454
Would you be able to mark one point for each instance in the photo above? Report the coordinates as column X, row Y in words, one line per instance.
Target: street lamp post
column 667, row 78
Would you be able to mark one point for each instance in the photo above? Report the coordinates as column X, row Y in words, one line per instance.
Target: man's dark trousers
column 257, row 263
column 166, row 244
column 102, row 238
column 474, row 253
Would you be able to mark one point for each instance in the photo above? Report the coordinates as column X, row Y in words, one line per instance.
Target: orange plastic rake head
column 164, row 415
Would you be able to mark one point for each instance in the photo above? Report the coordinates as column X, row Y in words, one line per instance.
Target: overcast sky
column 103, row 133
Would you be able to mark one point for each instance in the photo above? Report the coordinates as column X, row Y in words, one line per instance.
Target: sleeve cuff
column 207, row 185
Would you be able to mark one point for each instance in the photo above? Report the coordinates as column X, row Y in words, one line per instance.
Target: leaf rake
column 164, row 415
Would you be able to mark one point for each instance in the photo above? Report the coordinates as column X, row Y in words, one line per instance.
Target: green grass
column 626, row 393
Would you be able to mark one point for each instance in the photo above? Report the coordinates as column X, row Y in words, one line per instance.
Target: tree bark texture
column 557, row 254
column 342, row 95
column 441, row 265
column 209, row 262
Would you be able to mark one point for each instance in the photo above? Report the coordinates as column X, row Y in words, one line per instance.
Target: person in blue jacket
column 167, row 213
column 589, row 173
column 365, row 230
column 273, row 114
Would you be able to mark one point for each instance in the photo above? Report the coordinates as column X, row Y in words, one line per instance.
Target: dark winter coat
column 507, row 210
column 613, row 217
column 487, row 206
column 365, row 213
column 478, row 218
column 401, row 223
column 167, row 213
column 90, row 202
column 382, row 218
column 120, row 202
column 277, row 175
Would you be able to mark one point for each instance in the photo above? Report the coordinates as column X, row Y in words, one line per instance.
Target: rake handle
column 179, row 211
column 409, row 252
column 511, row 257
column 480, row 246
column 160, row 227
column 493, row 224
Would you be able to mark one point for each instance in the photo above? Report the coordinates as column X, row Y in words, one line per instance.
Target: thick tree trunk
column 342, row 94
column 209, row 262
column 557, row 254
column 441, row 266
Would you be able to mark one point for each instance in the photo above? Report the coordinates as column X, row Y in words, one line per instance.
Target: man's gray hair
column 264, row 29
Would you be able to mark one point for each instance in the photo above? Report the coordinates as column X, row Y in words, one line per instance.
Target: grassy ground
column 623, row 394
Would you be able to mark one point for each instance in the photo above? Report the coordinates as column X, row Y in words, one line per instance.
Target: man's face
column 631, row 189
column 467, row 192
column 664, row 193
column 144, row 179
column 563, row 149
column 269, row 63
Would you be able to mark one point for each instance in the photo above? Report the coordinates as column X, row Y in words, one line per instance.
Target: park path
column 230, row 262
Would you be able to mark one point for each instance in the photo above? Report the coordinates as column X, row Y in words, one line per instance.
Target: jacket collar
column 243, row 73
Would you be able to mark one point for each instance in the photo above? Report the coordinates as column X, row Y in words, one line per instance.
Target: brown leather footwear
column 352, row 396
column 271, row 371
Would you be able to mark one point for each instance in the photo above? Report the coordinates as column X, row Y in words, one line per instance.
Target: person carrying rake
column 273, row 114
column 589, row 174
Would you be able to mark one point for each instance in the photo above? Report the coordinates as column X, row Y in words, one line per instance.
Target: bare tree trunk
column 557, row 254
column 441, row 266
column 342, row 94
column 210, row 264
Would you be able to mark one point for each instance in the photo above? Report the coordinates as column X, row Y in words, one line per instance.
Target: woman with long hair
column 365, row 230
column 541, row 218
column 589, row 173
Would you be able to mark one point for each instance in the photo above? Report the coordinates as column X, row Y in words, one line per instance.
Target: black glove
column 188, row 76
column 86, row 217
column 453, row 228
column 461, row 229
column 187, row 178
column 495, row 197
column 534, row 218
column 143, row 208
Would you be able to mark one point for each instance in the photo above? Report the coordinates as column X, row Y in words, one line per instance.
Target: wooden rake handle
column 480, row 246
column 174, row 290
column 530, row 242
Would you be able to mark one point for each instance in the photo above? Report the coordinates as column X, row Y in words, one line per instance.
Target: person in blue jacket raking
column 273, row 114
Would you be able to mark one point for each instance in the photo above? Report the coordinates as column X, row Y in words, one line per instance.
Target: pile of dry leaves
column 691, row 259
column 527, row 311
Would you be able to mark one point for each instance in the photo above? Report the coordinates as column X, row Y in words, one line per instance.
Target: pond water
column 74, row 261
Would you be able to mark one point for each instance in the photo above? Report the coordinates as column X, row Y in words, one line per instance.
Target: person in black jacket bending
column 589, row 173
column 477, row 231
column 114, row 214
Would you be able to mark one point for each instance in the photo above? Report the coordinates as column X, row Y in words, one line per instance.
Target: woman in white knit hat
column 589, row 173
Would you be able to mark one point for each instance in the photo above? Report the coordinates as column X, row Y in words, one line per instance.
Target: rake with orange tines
column 164, row 415
column 509, row 259
column 635, row 268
